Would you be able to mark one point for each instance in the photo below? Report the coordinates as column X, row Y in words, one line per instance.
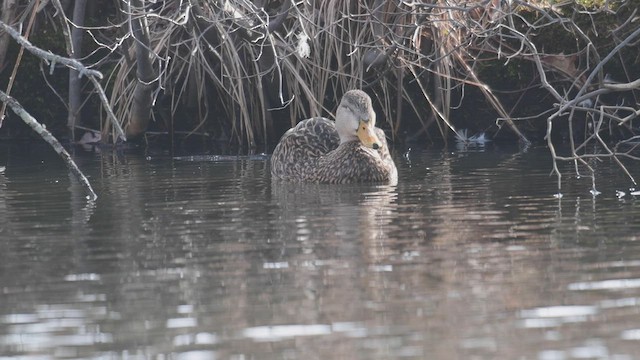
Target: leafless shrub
column 238, row 63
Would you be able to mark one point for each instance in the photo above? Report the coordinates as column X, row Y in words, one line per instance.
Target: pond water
column 470, row 256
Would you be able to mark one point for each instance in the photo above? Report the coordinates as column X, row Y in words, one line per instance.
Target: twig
column 52, row 59
column 623, row 87
column 12, row 78
column 51, row 140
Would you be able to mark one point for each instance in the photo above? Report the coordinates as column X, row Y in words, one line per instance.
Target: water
column 470, row 256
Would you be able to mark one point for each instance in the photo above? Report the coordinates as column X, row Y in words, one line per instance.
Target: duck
column 350, row 149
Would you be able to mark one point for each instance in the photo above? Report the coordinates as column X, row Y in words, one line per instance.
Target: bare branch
column 52, row 59
column 51, row 140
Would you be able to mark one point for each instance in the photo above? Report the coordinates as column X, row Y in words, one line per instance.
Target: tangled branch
column 244, row 71
column 53, row 59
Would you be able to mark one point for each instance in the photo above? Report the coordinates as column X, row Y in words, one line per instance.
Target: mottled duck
column 350, row 150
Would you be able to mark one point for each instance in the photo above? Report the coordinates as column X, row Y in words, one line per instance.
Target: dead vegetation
column 245, row 70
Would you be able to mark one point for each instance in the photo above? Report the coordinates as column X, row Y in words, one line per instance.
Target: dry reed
column 245, row 69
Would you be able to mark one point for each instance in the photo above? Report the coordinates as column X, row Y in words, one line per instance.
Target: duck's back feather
column 301, row 146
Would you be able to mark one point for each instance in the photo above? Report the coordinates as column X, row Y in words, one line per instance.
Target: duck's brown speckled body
column 319, row 150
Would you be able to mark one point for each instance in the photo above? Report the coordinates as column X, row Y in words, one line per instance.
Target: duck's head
column 356, row 120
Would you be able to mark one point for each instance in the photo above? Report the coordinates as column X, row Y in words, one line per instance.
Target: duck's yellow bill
column 367, row 135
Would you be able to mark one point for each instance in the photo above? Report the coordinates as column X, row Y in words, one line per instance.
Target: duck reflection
column 327, row 215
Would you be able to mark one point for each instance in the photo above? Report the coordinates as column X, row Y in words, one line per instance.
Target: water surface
column 469, row 256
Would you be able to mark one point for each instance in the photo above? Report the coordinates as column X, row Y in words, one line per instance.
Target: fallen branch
column 49, row 138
